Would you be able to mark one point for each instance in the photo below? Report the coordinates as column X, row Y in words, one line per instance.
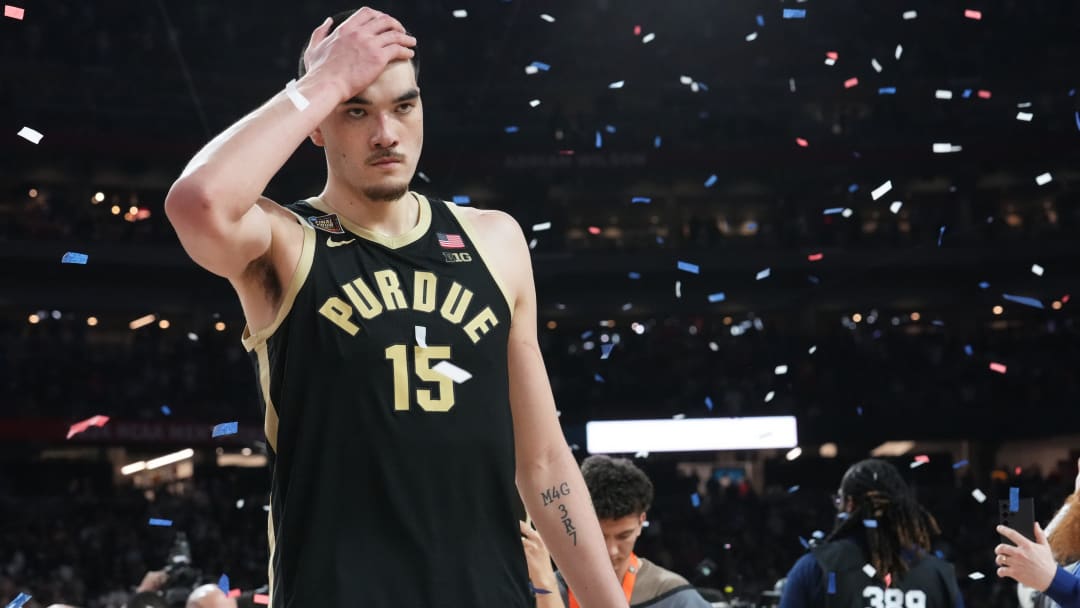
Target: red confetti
column 234, row 593
column 923, row 458
column 833, row 55
column 594, row 230
column 815, row 257
column 984, row 94
column 1018, row 471
column 802, row 142
column 998, row 367
column 261, row 598
column 1065, row 299
column 973, row 14
column 888, row 579
column 637, row 30
column 79, row 427
column 850, row 82
column 14, row 12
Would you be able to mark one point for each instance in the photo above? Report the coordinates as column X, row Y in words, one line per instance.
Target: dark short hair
column 337, row 20
column 618, row 488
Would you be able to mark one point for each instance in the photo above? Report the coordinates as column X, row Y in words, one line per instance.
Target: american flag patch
column 450, row 241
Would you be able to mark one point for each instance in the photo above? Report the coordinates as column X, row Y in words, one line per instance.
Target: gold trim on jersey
column 423, row 222
column 482, row 251
column 299, row 276
column 271, row 538
column 270, row 419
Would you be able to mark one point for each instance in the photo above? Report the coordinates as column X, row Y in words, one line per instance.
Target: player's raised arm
column 212, row 205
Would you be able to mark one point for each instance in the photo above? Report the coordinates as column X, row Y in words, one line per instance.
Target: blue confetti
column 887, row 91
column 702, row 86
column 19, row 600
column 164, row 523
column 166, row 410
column 966, row 94
column 688, row 267
column 761, row 20
column 225, row 428
column 640, row 199
column 832, row 583
column 598, row 378
column 709, row 183
column 462, row 199
column 605, row 350
column 585, row 335
column 695, row 500
column 858, row 410
column 599, row 140
column 941, row 235
column 984, row 285
column 634, row 275
column 1014, row 500
column 869, row 523
column 843, row 516
column 609, row 128
column 540, row 65
column 709, row 403
column 512, row 129
column 853, row 188
column 657, row 141
column 968, row 350
column 1026, row 301
column 938, row 322
column 74, row 258
column 223, row 584
column 793, row 489
column 813, row 279
column 960, row 465
column 537, row 590
column 940, row 554
column 1078, row 120
column 834, row 210
column 805, row 543
column 794, row 13
column 717, row 297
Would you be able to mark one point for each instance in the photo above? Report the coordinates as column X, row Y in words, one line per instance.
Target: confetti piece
column 657, row 141
column 793, row 489
column 594, row 230
column 802, row 143
column 709, row 183
column 532, row 69
column 462, row 199
column 899, row 51
column 421, row 336
column 769, row 396
column 1014, row 500
column 881, row 190
column 943, row 94
column 966, row 94
column 764, row 274
column 461, row 13
column 717, row 297
column 295, row 96
column 1043, row 179
column 163, row 523
column 1077, row 116
column 644, row 200
column 225, row 428
column 998, row 367
column 534, row 103
column 598, row 378
column 853, row 188
column 223, row 583
column 709, row 403
column 923, row 458
column 695, row 500
column 834, row 210
column 888, row 579
column 423, row 176
column 945, row 148
column 941, row 235
column 752, row 36
column 537, row 590
column 812, row 350
column 984, row 94
column 760, row 20
column 451, row 371
column 1026, row 301
column 984, row 285
column 618, row 84
column 688, row 267
column 30, row 135
column 896, row 206
column 851, row 82
column 780, row 370
column 547, row 18
column 874, row 64
column 512, row 129
column 605, row 350
column 22, row 598
column 791, row 84
column 978, row 495
column 648, row 38
column 815, row 257
column 887, row 91
column 869, row 570
column 74, row 258
column 1036, row 269
column 973, row 14
column 240, row 504
column 976, row 576
column 959, row 465
column 869, row 523
column 262, row 599
column 794, row 13
column 634, row 275
column 909, row 15
column 805, row 543
column 166, row 410
column 234, row 593
column 832, row 583
column 1024, row 116
column 14, row 12
column 540, row 65
column 968, row 350
column 599, row 141
column 79, row 427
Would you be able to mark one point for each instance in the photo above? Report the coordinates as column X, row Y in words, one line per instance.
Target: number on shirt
column 422, row 362
column 894, row 598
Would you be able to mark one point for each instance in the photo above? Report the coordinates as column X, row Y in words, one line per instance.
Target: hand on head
column 358, row 49
column 1029, row 563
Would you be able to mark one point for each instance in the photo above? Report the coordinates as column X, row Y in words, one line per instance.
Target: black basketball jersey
column 929, row 583
column 392, row 471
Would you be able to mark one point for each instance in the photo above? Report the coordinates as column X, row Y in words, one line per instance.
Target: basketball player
column 368, row 307
column 878, row 554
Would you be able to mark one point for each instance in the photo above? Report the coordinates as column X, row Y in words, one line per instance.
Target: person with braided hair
column 878, row 555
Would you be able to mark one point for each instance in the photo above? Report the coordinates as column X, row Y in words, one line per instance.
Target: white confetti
column 1024, row 116
column 451, row 371
column 694, row 87
column 547, row 18
column 881, row 190
column 869, row 570
column 813, row 349
column 678, row 289
column 978, row 495
column 30, row 135
column 295, row 96
column 618, row 84
column 751, row 37
column 943, row 94
column 534, row 103
column 976, row 576
column 848, row 212
column 533, row 243
column 895, row 207
column 641, row 455
column 909, row 15
column 648, row 38
column 678, row 417
column 899, row 51
column 531, row 69
column 791, row 84
column 686, row 80
column 1038, row 270
column 541, row 226
column 421, row 336
column 1043, row 179
column 946, row 148
column 769, row 397
column 874, row 64
column 240, row 504
column 764, row 274
column 780, row 370
column 461, row 13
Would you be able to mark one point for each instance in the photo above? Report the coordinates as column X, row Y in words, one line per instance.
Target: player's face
column 619, row 536
column 373, row 140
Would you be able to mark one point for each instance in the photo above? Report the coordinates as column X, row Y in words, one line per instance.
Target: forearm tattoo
column 570, row 531
column 554, row 495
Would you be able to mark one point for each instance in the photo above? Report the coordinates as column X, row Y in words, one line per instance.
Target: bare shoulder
column 503, row 246
column 494, row 225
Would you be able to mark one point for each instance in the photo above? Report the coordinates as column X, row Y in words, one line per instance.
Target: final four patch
column 326, row 223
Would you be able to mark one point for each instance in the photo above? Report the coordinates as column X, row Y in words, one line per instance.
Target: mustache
column 388, row 154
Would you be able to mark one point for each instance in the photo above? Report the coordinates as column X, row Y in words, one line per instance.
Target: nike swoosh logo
column 332, row 243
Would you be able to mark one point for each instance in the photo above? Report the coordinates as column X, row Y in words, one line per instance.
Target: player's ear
column 316, row 137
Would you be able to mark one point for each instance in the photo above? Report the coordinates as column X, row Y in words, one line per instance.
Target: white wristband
column 295, row 96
